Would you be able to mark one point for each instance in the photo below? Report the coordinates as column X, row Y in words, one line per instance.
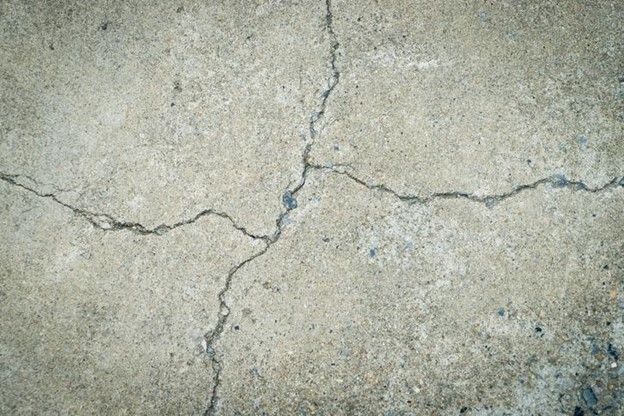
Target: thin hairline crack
column 556, row 181
column 106, row 222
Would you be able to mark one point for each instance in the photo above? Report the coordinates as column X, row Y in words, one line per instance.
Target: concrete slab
column 311, row 207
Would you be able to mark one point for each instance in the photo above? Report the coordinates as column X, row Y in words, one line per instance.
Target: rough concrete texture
column 312, row 207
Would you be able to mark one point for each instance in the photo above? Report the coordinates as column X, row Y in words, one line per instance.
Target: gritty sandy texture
column 312, row 207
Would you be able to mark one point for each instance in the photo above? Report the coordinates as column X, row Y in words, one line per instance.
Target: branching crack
column 557, row 181
column 107, row 222
column 289, row 202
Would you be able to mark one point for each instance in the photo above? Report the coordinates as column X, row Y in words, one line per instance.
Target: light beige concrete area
column 312, row 207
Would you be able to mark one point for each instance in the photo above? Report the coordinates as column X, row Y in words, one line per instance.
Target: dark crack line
column 556, row 181
column 106, row 222
column 224, row 311
column 212, row 336
column 334, row 78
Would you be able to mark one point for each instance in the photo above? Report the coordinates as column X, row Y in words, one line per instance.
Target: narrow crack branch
column 107, row 222
column 315, row 117
column 212, row 336
column 556, row 181
column 333, row 79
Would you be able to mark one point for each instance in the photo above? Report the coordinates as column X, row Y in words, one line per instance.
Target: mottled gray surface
column 312, row 207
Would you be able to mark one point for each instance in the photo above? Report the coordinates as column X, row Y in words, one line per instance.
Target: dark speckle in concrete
column 590, row 397
column 289, row 200
column 559, row 181
column 613, row 352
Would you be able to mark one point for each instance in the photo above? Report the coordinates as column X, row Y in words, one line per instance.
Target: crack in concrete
column 107, row 222
column 224, row 311
column 333, row 79
column 212, row 336
column 556, row 181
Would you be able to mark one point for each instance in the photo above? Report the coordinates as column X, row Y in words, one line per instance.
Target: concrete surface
column 312, row 207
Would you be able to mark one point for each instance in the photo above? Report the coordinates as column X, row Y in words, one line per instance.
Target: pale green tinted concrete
column 313, row 207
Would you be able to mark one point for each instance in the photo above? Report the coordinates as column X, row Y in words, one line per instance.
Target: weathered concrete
column 312, row 207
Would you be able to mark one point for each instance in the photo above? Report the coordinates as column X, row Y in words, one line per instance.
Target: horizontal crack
column 107, row 223
column 557, row 181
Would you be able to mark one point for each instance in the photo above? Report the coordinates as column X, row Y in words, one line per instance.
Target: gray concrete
column 333, row 208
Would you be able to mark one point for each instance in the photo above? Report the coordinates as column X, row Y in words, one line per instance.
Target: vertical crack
column 290, row 203
column 334, row 77
column 212, row 336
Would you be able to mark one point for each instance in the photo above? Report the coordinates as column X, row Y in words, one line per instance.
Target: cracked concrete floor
column 312, row 207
